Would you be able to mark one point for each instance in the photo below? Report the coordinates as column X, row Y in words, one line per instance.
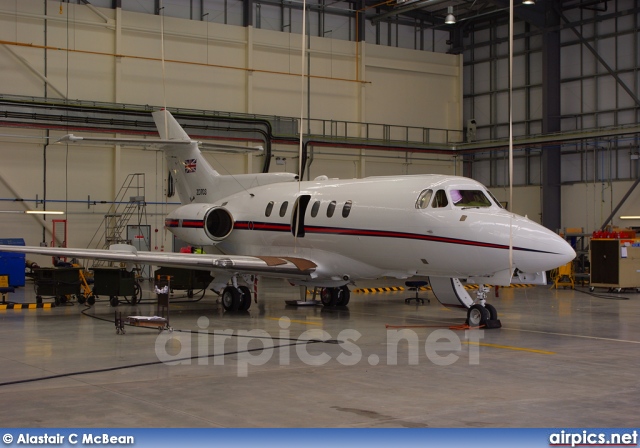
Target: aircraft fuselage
column 375, row 227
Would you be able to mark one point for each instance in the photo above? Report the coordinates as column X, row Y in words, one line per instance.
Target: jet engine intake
column 200, row 224
column 218, row 223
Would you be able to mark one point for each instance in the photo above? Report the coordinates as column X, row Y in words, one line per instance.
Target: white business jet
column 331, row 233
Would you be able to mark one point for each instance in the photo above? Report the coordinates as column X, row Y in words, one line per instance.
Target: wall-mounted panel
column 625, row 43
column 481, row 112
column 570, row 57
column 570, row 98
column 624, row 99
column 482, row 77
column 482, row 172
column 535, row 103
column 535, row 68
column 606, row 93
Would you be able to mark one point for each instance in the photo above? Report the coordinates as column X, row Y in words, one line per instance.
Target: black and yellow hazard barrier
column 383, row 289
column 427, row 288
column 25, row 306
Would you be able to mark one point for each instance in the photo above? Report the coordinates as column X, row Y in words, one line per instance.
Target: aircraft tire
column 113, row 301
column 493, row 313
column 245, row 300
column 344, row 296
column 231, row 299
column 329, row 296
column 477, row 316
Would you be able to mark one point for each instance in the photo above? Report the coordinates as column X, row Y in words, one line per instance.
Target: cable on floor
column 150, row 363
column 601, row 296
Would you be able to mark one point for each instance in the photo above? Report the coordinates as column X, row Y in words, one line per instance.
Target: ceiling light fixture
column 528, row 2
column 35, row 212
column 450, row 19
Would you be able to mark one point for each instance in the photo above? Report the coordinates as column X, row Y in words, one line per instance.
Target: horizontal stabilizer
column 70, row 138
column 229, row 148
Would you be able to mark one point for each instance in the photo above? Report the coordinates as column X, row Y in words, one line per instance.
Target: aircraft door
column 299, row 212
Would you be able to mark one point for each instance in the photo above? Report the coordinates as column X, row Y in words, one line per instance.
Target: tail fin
column 168, row 127
column 194, row 178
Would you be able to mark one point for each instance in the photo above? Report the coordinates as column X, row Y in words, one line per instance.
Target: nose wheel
column 482, row 314
column 477, row 316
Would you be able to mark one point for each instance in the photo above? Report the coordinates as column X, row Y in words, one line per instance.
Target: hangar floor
column 562, row 359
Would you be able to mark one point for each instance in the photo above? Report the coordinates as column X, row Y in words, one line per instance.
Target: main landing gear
column 335, row 296
column 236, row 298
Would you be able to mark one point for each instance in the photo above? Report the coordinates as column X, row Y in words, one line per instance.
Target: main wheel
column 329, row 296
column 245, row 303
column 344, row 296
column 113, row 301
column 477, row 315
column 231, row 298
column 493, row 313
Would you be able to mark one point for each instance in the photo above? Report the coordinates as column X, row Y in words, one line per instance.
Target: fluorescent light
column 528, row 2
column 450, row 19
column 34, row 212
column 630, row 217
column 44, row 212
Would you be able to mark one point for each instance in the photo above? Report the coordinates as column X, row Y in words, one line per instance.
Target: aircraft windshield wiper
column 471, row 206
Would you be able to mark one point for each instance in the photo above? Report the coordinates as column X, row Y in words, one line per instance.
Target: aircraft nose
column 546, row 250
column 567, row 253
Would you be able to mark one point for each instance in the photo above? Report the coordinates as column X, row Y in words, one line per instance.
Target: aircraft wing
column 281, row 267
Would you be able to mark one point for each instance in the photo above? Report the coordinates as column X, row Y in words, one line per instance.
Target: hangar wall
column 595, row 173
column 116, row 56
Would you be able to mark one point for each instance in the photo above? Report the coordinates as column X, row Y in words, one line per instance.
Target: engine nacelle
column 200, row 224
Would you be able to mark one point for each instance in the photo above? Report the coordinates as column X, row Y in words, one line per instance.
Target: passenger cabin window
column 440, row 199
column 424, row 199
column 331, row 209
column 346, row 209
column 269, row 209
column 283, row 208
column 314, row 209
column 469, row 198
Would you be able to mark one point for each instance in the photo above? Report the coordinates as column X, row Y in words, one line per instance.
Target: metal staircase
column 129, row 202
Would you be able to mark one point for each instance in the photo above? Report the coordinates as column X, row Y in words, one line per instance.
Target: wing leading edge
column 282, row 267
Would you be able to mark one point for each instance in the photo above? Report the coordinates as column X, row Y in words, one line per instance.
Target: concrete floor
column 562, row 359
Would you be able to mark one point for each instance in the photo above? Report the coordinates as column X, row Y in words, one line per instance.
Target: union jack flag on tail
column 190, row 165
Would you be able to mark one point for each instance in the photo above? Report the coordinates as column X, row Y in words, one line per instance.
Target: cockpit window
column 440, row 199
column 424, row 199
column 498, row 203
column 469, row 198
